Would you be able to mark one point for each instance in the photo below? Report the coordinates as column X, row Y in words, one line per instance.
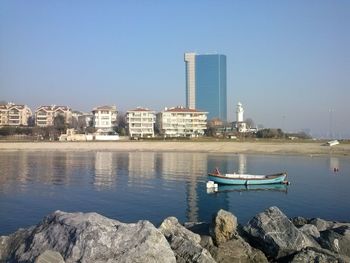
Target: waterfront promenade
column 266, row 147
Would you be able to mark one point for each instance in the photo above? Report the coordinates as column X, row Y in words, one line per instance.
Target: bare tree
column 250, row 123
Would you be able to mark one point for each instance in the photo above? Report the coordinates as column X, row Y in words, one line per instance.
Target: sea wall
column 270, row 236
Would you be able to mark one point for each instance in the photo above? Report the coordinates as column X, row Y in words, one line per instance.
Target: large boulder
column 50, row 256
column 299, row 221
column 321, row 224
column 275, row 234
column 223, row 227
column 88, row 237
column 236, row 250
column 310, row 230
column 317, row 255
column 184, row 243
column 337, row 240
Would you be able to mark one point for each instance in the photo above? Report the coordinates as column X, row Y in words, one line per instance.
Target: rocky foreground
column 268, row 237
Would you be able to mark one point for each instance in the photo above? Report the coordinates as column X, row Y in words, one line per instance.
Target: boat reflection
column 283, row 188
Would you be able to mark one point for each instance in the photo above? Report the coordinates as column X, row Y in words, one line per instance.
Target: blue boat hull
column 273, row 179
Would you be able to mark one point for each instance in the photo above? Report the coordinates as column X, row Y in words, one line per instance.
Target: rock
column 317, row 255
column 223, row 227
column 337, row 240
column 50, row 256
column 89, row 237
column 237, row 250
column 310, row 230
column 184, row 243
column 339, row 224
column 171, row 226
column 321, row 224
column 299, row 221
column 275, row 234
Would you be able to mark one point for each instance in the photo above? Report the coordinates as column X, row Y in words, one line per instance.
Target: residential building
column 81, row 120
column 14, row 115
column 181, row 122
column 105, row 117
column 206, row 84
column 140, row 122
column 45, row 115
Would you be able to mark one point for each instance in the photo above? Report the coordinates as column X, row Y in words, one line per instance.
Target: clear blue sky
column 284, row 58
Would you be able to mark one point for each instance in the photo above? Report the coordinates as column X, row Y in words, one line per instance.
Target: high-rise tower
column 206, row 84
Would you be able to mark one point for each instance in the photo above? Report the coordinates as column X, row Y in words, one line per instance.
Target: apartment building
column 14, row 115
column 141, row 122
column 45, row 115
column 181, row 122
column 105, row 117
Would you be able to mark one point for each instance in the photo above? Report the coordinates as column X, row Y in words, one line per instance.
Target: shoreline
column 271, row 148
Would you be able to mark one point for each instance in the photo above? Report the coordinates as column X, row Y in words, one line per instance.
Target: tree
column 59, row 123
column 250, row 123
column 121, row 124
column 31, row 121
column 270, row 133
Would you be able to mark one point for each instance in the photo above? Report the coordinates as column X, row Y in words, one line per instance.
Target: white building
column 45, row 115
column 181, row 122
column 141, row 122
column 104, row 117
column 14, row 115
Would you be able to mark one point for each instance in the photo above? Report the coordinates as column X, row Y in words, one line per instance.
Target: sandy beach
column 304, row 148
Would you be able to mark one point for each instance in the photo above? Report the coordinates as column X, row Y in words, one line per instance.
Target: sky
column 288, row 62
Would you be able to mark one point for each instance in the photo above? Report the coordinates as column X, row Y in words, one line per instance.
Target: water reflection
column 105, row 170
column 282, row 188
column 334, row 164
column 141, row 165
column 242, row 163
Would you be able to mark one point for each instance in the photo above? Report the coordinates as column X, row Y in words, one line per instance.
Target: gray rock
column 184, row 243
column 50, row 256
column 310, row 230
column 339, row 224
column 275, row 234
column 89, row 237
column 171, row 226
column 321, row 224
column 337, row 240
column 236, row 250
column 317, row 256
column 223, row 227
column 299, row 221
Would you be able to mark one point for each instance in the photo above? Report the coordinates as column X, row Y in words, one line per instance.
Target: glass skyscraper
column 206, row 84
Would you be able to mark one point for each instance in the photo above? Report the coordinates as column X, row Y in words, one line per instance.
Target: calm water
column 130, row 186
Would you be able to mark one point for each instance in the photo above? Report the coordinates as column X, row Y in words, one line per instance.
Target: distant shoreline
column 269, row 147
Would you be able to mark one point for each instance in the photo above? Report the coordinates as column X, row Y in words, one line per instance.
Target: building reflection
column 334, row 164
column 141, row 165
column 194, row 167
column 105, row 170
column 242, row 163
